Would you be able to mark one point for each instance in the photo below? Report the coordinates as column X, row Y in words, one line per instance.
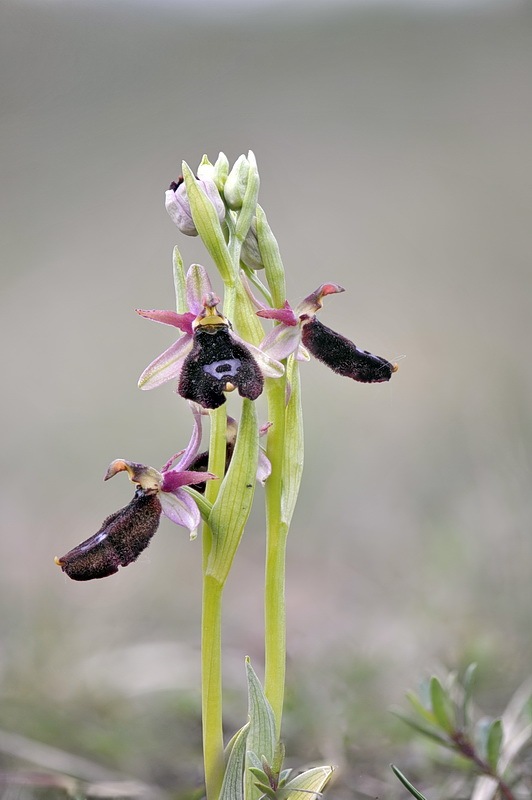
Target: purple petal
column 178, row 208
column 198, row 286
column 181, row 321
column 174, row 479
column 281, row 342
column 179, row 507
column 168, row 365
column 284, row 315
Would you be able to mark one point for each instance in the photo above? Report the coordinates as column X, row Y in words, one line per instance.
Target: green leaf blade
column 441, row 705
column 233, row 781
column 261, row 740
column 309, row 783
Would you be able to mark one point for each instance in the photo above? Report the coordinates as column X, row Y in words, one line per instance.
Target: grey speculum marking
column 227, row 368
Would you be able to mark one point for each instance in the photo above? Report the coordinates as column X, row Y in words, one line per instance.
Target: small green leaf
column 481, row 736
column 406, row 783
column 311, row 782
column 429, row 731
column 233, row 782
column 418, row 706
column 469, row 679
column 493, row 743
column 284, row 775
column 441, row 705
column 266, row 790
column 231, row 509
column 261, row 737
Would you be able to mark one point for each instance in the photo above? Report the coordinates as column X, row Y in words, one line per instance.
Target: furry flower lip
column 209, row 359
column 299, row 330
column 124, row 535
column 217, row 363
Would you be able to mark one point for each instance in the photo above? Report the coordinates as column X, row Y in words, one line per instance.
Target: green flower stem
column 211, row 694
column 276, row 535
column 211, row 626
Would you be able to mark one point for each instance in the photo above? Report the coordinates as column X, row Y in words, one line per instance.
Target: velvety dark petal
column 121, row 539
column 216, row 364
column 344, row 357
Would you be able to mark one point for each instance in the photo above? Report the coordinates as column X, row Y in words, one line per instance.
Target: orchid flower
column 126, row 533
column 299, row 330
column 209, row 359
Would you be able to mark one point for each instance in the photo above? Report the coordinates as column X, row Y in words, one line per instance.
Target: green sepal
column 313, row 781
column 271, row 258
column 244, row 317
column 208, row 226
column 231, row 508
column 441, row 705
column 233, row 782
column 293, row 444
column 180, row 285
column 262, row 736
column 406, row 783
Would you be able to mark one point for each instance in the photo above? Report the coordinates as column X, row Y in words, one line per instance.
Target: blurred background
column 393, row 142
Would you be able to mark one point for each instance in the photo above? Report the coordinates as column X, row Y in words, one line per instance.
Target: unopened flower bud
column 221, row 171
column 251, row 255
column 235, row 186
column 178, row 205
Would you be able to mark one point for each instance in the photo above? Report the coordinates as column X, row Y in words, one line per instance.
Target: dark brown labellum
column 216, row 361
column 121, row 539
column 342, row 356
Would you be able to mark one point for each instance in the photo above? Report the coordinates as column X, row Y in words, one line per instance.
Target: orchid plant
column 223, row 347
